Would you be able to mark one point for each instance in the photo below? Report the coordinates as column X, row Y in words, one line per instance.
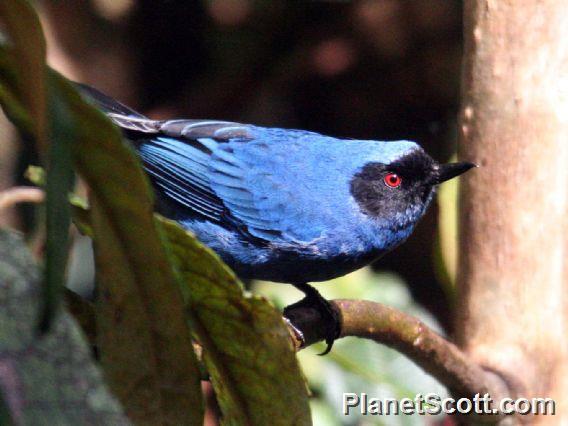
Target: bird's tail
column 106, row 103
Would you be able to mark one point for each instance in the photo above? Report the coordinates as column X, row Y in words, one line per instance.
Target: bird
column 283, row 205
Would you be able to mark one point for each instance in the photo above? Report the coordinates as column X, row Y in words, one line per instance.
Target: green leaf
column 246, row 346
column 144, row 340
column 257, row 380
column 36, row 175
column 143, row 337
column 5, row 417
column 23, row 96
column 59, row 183
column 23, row 71
column 446, row 250
column 48, row 380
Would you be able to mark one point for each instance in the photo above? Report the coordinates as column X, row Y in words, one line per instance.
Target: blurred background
column 376, row 69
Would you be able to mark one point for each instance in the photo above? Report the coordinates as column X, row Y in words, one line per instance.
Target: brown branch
column 409, row 336
column 382, row 324
column 20, row 194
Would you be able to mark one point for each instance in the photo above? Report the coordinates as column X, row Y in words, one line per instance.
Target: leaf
column 5, row 417
column 271, row 388
column 48, row 380
column 23, row 72
column 250, row 387
column 79, row 206
column 59, row 183
column 144, row 340
column 446, row 251
column 143, row 337
column 23, row 96
column 246, row 346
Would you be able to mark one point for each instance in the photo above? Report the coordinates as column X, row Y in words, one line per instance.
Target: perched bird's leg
column 328, row 313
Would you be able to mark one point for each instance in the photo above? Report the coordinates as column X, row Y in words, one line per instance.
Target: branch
column 409, row 336
column 20, row 194
column 385, row 325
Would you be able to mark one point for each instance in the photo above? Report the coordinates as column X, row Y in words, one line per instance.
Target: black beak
column 451, row 170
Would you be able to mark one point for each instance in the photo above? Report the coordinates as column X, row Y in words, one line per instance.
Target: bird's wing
column 128, row 119
column 198, row 165
column 207, row 175
column 179, row 169
column 106, row 103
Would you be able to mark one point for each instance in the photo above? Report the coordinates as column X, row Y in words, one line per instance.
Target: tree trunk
column 514, row 125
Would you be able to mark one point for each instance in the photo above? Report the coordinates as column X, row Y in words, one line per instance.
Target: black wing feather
column 176, row 155
column 106, row 103
column 177, row 159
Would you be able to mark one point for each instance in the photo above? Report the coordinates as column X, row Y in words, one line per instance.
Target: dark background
column 377, row 69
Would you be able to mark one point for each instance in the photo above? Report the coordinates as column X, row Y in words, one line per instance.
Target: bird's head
column 399, row 191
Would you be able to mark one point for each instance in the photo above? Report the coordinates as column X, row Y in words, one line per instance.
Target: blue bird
column 283, row 205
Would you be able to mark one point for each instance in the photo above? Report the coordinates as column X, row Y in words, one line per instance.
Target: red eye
column 392, row 180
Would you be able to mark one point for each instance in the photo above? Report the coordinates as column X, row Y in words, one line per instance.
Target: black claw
column 334, row 333
column 327, row 311
column 329, row 343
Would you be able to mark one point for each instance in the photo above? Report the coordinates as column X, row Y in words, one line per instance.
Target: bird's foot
column 329, row 315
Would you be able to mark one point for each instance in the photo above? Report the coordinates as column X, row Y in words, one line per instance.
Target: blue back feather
column 284, row 186
column 270, row 201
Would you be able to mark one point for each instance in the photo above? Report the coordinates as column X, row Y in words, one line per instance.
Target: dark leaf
column 60, row 180
column 50, row 380
column 246, row 346
column 24, row 71
column 144, row 340
column 23, row 96
column 142, row 335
